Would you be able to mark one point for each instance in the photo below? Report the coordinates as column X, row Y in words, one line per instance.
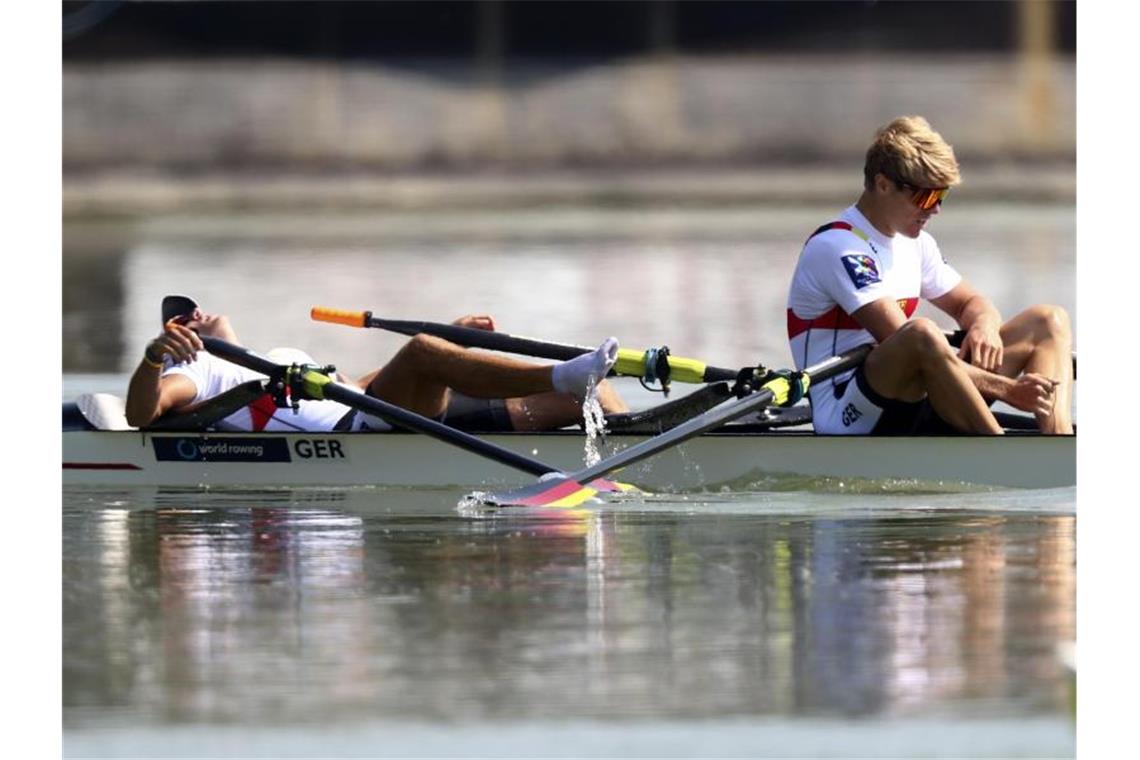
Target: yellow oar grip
column 339, row 316
column 686, row 370
column 315, row 383
column 781, row 388
column 631, row 362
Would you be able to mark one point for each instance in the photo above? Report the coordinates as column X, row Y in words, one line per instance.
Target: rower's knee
column 1051, row 323
column 421, row 360
column 925, row 340
column 422, row 348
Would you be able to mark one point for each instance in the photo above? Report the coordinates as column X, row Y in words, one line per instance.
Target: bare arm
column 977, row 315
column 982, row 352
column 1029, row 393
column 150, row 395
column 881, row 318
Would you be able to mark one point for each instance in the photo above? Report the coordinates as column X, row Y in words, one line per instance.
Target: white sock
column 574, row 376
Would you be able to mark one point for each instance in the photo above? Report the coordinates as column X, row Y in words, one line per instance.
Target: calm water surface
column 818, row 620
column 707, row 283
column 347, row 609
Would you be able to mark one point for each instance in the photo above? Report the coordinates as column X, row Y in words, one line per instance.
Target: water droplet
column 595, row 420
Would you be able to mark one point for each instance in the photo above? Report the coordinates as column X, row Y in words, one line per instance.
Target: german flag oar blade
column 554, row 491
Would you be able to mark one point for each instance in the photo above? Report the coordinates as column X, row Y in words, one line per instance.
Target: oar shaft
column 464, row 336
column 390, row 413
column 475, row 338
column 417, row 423
column 715, row 418
column 239, row 355
column 630, row 362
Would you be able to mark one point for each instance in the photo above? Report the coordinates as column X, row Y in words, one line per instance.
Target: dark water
column 330, row 611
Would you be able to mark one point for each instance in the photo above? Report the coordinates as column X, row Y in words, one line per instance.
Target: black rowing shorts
column 865, row 411
column 473, row 415
column 477, row 415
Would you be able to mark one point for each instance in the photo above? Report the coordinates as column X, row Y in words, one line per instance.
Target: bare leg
column 553, row 410
column 1040, row 340
column 917, row 362
column 418, row 376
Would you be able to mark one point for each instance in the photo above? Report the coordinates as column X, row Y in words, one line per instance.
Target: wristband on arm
column 150, row 360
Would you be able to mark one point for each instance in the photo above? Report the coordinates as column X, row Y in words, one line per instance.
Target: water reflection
column 728, row 265
column 93, row 294
column 294, row 609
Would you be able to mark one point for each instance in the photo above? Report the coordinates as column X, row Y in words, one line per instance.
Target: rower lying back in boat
column 429, row 376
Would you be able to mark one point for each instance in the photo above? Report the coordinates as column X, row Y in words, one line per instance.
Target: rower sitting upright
column 859, row 280
column 426, row 376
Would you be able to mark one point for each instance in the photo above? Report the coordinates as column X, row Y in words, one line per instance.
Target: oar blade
column 604, row 485
column 556, row 491
column 552, row 491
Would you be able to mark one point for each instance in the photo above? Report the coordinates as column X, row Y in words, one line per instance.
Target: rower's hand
column 476, row 321
column 982, row 347
column 1033, row 393
column 178, row 342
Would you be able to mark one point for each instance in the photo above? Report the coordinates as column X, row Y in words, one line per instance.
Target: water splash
column 595, row 423
column 474, row 506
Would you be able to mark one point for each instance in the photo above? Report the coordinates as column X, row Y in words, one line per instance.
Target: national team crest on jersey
column 862, row 269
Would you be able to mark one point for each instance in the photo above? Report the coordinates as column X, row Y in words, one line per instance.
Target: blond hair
column 909, row 150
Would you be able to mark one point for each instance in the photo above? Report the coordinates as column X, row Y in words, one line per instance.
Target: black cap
column 177, row 306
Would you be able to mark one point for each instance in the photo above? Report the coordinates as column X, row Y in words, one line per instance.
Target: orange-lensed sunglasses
column 925, row 198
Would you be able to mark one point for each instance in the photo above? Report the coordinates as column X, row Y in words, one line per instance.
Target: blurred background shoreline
column 133, row 191
column 439, row 157
column 185, row 106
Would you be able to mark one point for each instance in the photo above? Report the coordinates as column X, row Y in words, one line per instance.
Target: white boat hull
column 743, row 460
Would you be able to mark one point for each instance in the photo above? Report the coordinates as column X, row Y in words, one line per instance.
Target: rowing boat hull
column 743, row 460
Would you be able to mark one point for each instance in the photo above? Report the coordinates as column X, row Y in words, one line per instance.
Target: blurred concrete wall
column 285, row 114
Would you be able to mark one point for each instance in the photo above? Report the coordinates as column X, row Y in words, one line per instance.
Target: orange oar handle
column 340, row 316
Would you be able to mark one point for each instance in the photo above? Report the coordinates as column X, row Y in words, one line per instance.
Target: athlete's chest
column 896, row 268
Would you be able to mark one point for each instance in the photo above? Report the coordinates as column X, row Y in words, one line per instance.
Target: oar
column 318, row 385
column 776, row 391
column 630, row 362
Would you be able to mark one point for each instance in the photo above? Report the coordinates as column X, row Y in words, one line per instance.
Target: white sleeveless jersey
column 213, row 376
column 844, row 266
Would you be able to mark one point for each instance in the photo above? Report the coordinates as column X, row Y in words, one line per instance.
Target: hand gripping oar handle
column 319, row 386
column 630, row 362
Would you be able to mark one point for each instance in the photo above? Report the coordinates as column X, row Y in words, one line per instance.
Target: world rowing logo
column 187, row 449
column 862, row 269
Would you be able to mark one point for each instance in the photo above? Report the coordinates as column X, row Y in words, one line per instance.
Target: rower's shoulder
column 831, row 242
